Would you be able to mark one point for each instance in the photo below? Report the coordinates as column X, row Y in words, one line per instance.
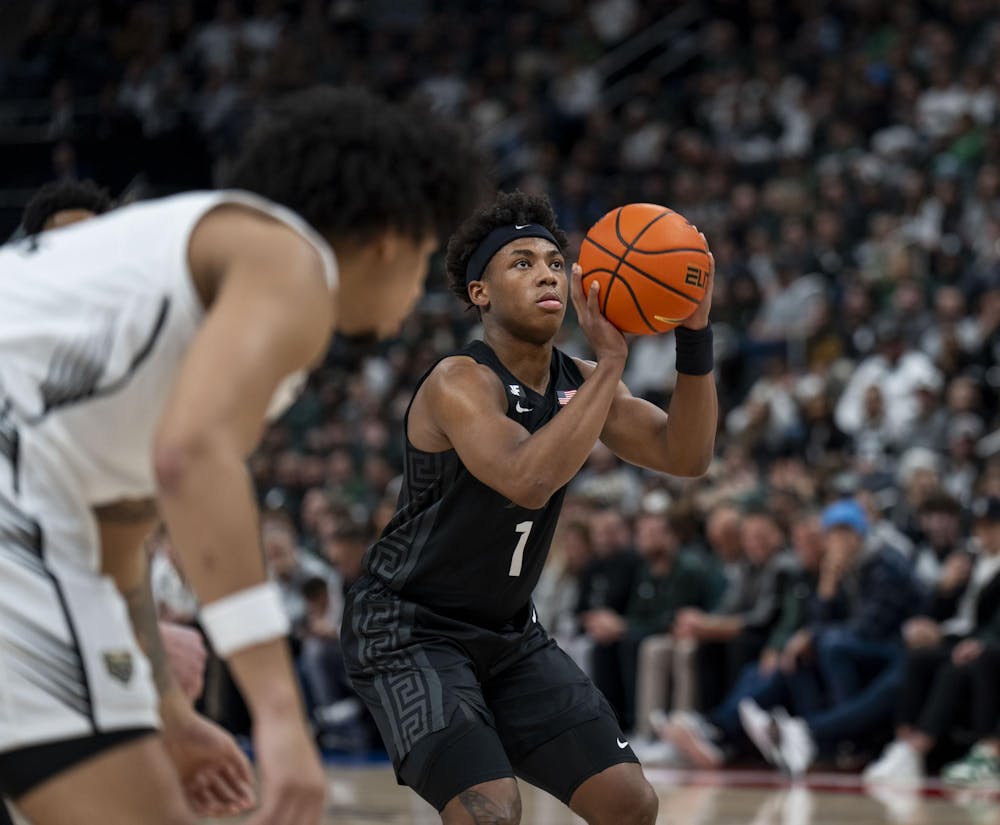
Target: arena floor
column 367, row 795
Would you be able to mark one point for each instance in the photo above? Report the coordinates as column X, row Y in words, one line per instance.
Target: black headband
column 499, row 238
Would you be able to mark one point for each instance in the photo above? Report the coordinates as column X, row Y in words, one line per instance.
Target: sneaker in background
column 979, row 768
column 761, row 730
column 796, row 746
column 899, row 764
column 693, row 736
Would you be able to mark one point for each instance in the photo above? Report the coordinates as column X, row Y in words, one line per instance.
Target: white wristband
column 245, row 618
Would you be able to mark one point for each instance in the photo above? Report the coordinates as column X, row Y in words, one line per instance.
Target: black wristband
column 695, row 355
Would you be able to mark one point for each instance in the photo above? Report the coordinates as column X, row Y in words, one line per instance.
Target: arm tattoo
column 142, row 612
column 486, row 811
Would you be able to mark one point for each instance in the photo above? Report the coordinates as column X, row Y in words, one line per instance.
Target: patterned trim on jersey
column 20, row 537
column 77, row 367
column 9, row 441
column 54, row 666
column 408, row 687
column 397, row 552
column 51, row 665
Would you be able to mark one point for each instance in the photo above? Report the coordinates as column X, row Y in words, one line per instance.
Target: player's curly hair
column 509, row 208
column 60, row 195
column 353, row 164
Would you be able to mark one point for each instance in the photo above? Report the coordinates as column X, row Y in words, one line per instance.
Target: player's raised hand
column 293, row 785
column 699, row 318
column 604, row 337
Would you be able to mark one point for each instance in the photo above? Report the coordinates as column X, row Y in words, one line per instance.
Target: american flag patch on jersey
column 565, row 396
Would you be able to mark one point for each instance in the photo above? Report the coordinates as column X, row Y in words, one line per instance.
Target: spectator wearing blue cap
column 863, row 596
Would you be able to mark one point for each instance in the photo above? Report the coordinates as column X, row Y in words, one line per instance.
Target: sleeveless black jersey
column 458, row 547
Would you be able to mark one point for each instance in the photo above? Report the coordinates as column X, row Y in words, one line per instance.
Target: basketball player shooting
column 141, row 353
column 440, row 635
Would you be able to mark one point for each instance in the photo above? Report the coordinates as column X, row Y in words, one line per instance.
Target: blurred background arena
column 843, row 160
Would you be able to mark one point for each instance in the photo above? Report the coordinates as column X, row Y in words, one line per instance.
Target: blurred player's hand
column 955, row 571
column 604, row 337
column 699, row 318
column 604, row 626
column 921, row 632
column 216, row 776
column 186, row 654
column 967, row 651
column 795, row 649
column 688, row 622
column 293, row 785
column 770, row 659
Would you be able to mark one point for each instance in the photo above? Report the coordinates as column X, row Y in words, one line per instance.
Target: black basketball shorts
column 458, row 705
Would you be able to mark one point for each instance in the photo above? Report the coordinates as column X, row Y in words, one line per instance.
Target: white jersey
column 95, row 321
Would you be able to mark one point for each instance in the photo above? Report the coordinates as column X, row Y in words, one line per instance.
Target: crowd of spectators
column 843, row 160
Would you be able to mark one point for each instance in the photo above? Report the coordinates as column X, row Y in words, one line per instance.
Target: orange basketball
column 650, row 264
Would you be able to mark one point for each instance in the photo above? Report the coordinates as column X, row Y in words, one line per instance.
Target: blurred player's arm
column 126, row 561
column 269, row 317
column 215, row 773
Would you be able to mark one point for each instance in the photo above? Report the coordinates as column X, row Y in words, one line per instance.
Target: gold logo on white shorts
column 119, row 665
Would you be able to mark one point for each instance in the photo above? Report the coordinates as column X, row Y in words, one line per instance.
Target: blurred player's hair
column 354, row 165
column 63, row 195
column 508, row 209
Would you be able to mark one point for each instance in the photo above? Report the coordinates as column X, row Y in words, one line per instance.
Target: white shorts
column 70, row 665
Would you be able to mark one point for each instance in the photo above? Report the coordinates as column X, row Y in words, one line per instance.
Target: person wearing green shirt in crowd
column 709, row 740
column 668, row 579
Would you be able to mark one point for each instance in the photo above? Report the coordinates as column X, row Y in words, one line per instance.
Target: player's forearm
column 207, row 502
column 123, row 526
column 550, row 458
column 691, row 425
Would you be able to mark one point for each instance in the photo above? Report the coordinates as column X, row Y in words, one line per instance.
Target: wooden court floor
column 369, row 795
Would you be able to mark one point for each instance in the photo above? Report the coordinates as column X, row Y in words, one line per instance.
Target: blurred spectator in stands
column 558, row 592
column 961, row 463
column 768, row 420
column 175, row 600
column 930, row 425
column 736, row 631
column 709, row 740
column 608, row 481
column 941, row 559
column 952, row 662
column 343, row 722
column 793, row 305
column 606, row 587
column 722, row 531
column 877, row 495
column 62, row 203
column 861, row 601
column 918, row 474
column 897, row 373
column 289, row 566
column 821, row 435
column 670, row 578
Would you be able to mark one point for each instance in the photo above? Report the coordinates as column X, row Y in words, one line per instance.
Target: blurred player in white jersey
column 141, row 354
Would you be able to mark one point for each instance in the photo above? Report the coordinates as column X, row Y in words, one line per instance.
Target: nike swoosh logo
column 622, row 745
column 663, row 320
column 521, row 225
column 521, row 409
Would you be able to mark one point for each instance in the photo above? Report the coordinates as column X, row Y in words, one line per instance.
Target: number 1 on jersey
column 524, row 528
